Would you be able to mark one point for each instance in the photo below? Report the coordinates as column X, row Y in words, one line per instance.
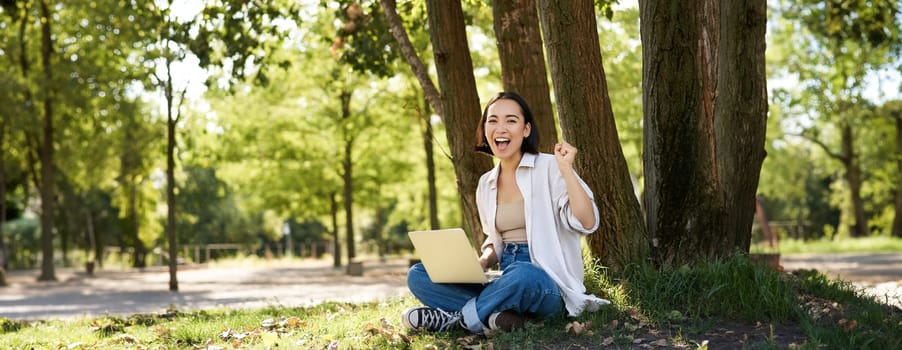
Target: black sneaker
column 433, row 320
column 506, row 321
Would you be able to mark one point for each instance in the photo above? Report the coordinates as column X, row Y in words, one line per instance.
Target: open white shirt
column 552, row 231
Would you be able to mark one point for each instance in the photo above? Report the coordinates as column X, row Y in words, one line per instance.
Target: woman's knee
column 417, row 275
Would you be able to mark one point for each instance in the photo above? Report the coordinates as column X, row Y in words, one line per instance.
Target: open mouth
column 501, row 143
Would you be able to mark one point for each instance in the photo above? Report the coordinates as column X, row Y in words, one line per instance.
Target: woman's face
column 505, row 128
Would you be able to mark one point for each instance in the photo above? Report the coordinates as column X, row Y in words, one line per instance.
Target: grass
column 726, row 304
column 872, row 244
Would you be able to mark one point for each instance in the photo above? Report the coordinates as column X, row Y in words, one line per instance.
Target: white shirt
column 552, row 231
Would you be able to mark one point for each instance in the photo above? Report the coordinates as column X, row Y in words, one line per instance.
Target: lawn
column 716, row 305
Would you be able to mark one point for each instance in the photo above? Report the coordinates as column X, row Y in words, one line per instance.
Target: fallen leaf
column 578, row 328
column 614, row 323
column 333, row 345
column 660, row 342
column 849, row 325
column 638, row 340
column 634, row 313
column 607, row 341
column 125, row 338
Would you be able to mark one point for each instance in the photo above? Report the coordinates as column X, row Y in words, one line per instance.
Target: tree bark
column 702, row 154
column 460, row 104
column 47, row 175
column 430, row 168
column 587, row 122
column 347, row 167
column 171, row 122
column 740, row 116
column 140, row 250
column 897, row 218
column 4, row 258
column 523, row 63
column 853, row 177
column 336, row 244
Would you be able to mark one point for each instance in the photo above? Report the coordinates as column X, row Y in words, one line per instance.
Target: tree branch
column 419, row 69
column 821, row 144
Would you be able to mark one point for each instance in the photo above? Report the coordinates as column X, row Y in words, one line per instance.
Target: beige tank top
column 510, row 221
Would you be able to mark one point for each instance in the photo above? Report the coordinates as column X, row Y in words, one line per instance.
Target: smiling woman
column 534, row 210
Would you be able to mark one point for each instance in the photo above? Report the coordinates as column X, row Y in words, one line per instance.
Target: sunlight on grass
column 673, row 307
column 875, row 244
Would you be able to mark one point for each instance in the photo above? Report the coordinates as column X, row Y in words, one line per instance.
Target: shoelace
column 441, row 318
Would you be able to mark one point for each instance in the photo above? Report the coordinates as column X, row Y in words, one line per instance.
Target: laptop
column 449, row 257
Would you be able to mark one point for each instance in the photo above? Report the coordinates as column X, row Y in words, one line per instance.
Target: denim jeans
column 522, row 287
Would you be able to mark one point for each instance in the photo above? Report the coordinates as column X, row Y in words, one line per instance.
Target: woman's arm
column 580, row 203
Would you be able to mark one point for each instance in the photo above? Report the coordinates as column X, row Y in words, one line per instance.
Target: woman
column 533, row 208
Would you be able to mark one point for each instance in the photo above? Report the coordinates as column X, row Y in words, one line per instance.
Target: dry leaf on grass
column 579, row 328
column 847, row 325
column 660, row 342
column 387, row 331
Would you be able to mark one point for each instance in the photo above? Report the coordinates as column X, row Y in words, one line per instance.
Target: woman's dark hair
column 530, row 144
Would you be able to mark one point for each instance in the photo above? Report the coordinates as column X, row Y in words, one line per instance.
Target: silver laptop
column 449, row 257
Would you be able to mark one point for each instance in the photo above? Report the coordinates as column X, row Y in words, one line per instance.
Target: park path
column 128, row 292
column 311, row 282
column 877, row 274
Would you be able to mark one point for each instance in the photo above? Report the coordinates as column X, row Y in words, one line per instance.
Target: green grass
column 873, row 244
column 681, row 307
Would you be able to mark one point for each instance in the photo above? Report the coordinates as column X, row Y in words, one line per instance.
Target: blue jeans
column 522, row 287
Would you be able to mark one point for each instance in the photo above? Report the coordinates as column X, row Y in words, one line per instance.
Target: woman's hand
column 565, row 154
column 488, row 258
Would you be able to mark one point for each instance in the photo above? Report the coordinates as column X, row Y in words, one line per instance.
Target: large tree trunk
column 853, row 177
column 47, row 176
column 347, row 167
column 587, row 122
column 460, row 104
column 897, row 219
column 523, row 63
column 702, row 155
column 740, row 116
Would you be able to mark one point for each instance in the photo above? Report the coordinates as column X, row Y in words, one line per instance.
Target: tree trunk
column 430, row 168
column 140, row 250
column 4, row 260
column 92, row 243
column 47, row 175
column 702, row 155
column 348, row 179
column 897, row 219
column 460, row 104
column 171, row 122
column 523, row 63
column 336, row 244
column 740, row 116
column 587, row 122
column 853, row 177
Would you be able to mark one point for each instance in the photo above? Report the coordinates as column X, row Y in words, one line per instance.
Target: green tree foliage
column 829, row 50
